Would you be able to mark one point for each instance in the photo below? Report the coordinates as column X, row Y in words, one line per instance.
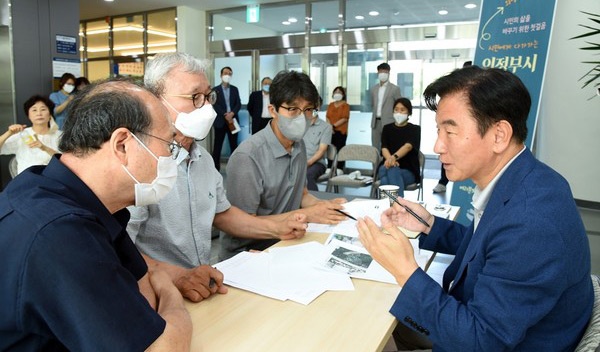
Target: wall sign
column 66, row 44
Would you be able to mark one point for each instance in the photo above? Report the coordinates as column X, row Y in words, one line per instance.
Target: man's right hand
column 292, row 227
column 200, row 282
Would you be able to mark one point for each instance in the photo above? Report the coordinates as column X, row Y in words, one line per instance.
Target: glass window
column 128, row 35
column 286, row 19
column 162, row 31
column 96, row 36
column 325, row 16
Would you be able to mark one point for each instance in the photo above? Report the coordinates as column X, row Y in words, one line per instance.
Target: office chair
column 418, row 185
column 591, row 337
column 356, row 152
column 413, row 186
column 331, row 156
column 12, row 167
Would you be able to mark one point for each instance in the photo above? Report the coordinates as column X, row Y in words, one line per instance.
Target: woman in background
column 400, row 143
column 33, row 145
column 62, row 97
column 338, row 115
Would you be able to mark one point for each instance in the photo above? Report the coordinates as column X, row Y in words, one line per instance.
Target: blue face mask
column 265, row 88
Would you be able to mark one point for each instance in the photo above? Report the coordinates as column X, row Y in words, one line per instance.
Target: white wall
column 568, row 136
column 191, row 32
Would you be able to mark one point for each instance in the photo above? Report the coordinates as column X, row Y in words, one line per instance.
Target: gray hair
column 98, row 111
column 158, row 69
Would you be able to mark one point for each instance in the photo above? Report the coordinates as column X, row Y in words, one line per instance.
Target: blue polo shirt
column 69, row 269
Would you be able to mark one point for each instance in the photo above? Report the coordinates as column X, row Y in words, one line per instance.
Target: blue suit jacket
column 221, row 106
column 520, row 282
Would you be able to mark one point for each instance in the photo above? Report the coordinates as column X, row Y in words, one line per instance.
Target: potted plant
column 591, row 78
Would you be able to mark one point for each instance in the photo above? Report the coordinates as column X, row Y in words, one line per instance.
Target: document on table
column 284, row 273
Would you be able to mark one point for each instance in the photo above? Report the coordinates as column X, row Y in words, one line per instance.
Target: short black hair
column 81, row 80
column 384, row 66
column 65, row 77
column 96, row 113
column 492, row 94
column 288, row 86
column 226, row 68
column 406, row 103
column 341, row 89
column 34, row 99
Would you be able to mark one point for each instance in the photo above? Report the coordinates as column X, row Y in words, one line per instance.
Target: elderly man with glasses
column 175, row 234
column 266, row 175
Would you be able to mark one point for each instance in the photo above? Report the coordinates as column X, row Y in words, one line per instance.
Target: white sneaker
column 439, row 188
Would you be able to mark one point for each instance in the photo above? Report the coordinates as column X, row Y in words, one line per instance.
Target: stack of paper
column 284, row 273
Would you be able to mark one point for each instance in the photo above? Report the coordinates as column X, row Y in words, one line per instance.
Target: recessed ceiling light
column 373, row 13
column 286, row 23
column 109, row 0
column 359, row 17
column 228, row 28
column 443, row 12
column 470, row 6
column 292, row 20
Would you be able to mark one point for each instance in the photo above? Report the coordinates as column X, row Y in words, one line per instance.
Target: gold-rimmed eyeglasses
column 198, row 99
column 294, row 111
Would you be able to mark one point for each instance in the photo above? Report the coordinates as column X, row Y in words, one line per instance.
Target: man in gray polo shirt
column 266, row 175
column 316, row 139
column 175, row 235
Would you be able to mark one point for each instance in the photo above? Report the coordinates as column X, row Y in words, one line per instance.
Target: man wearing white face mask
column 383, row 96
column 63, row 242
column 175, row 234
column 400, row 143
column 227, row 107
column 258, row 106
column 266, row 175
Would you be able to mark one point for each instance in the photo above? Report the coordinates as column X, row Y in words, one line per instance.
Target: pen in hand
column 346, row 214
column 409, row 210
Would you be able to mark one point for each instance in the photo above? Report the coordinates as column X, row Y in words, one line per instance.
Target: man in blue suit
column 520, row 279
column 227, row 107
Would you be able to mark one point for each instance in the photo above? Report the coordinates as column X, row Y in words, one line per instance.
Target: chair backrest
column 422, row 164
column 360, row 152
column 591, row 337
column 12, row 167
column 332, row 155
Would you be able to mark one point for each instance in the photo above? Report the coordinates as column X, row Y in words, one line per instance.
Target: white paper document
column 284, row 273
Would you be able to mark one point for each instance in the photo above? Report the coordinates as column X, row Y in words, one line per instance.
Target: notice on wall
column 61, row 65
column 66, row 44
column 514, row 35
column 131, row 69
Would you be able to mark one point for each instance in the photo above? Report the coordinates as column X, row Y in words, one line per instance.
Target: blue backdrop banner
column 513, row 35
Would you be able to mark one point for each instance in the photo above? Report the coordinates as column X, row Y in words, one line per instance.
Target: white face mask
column 166, row 176
column 383, row 76
column 400, row 118
column 292, row 128
column 68, row 88
column 195, row 124
column 226, row 78
column 337, row 97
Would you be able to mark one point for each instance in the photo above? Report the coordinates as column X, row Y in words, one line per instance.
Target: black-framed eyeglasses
column 294, row 111
column 199, row 99
column 174, row 147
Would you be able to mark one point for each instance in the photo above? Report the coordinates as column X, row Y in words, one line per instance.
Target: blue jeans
column 396, row 176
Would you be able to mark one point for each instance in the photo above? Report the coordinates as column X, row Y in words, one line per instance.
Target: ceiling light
column 373, row 13
column 228, row 28
column 286, row 23
column 109, row 0
column 470, row 6
column 359, row 17
column 292, row 20
column 443, row 12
